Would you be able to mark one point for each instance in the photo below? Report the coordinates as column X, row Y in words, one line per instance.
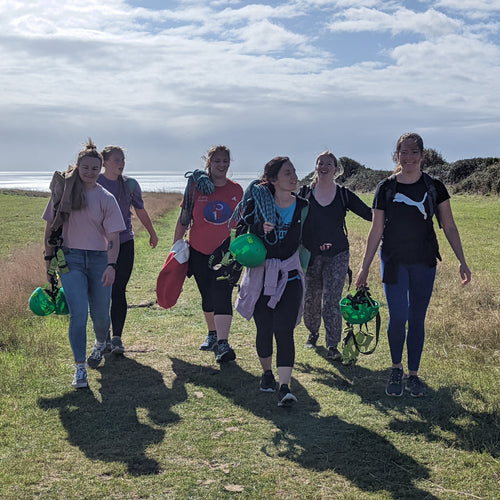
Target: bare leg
column 222, row 323
column 285, row 375
column 209, row 318
column 266, row 363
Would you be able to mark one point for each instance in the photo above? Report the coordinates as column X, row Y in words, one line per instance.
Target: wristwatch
column 113, row 265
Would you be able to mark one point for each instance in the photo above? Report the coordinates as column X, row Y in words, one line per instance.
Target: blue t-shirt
column 285, row 216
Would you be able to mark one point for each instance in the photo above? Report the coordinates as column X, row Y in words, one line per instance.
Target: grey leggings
column 325, row 279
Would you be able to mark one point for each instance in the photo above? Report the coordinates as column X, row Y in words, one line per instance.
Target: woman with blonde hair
column 208, row 204
column 325, row 236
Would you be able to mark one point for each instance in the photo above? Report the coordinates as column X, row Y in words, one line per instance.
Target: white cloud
column 429, row 23
column 263, row 36
column 474, row 5
column 471, row 9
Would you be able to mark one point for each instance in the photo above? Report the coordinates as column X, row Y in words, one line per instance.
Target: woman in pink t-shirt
column 90, row 234
column 206, row 213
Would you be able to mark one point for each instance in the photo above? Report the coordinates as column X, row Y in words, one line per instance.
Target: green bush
column 484, row 181
column 475, row 175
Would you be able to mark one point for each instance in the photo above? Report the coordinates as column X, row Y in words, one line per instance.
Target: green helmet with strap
column 359, row 308
column 61, row 306
column 248, row 250
column 41, row 302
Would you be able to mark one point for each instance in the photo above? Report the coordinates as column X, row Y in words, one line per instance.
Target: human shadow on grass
column 318, row 443
column 110, row 430
column 438, row 416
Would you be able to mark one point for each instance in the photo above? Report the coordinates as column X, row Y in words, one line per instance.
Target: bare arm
column 180, row 230
column 143, row 216
column 453, row 237
column 372, row 243
column 108, row 276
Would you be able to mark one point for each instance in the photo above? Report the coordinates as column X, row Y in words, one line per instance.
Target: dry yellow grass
column 25, row 270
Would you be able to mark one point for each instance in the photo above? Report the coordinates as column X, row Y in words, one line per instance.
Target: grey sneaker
column 394, row 385
column 285, row 397
column 210, row 342
column 80, row 378
column 267, row 382
column 334, row 354
column 117, row 345
column 108, row 343
column 224, row 352
column 311, row 340
column 415, row 386
column 95, row 358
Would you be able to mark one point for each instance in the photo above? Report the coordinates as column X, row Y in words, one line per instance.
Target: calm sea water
column 168, row 182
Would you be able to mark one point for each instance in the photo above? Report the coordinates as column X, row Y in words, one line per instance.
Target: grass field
column 165, row 421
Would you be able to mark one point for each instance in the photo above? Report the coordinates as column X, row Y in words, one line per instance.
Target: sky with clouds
column 167, row 79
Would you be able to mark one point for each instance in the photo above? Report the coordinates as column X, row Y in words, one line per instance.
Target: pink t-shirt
column 86, row 229
column 211, row 215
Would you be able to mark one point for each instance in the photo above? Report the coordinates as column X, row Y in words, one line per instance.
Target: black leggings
column 216, row 296
column 279, row 322
column 124, row 265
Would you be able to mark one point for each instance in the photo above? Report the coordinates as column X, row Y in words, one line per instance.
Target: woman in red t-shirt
column 206, row 213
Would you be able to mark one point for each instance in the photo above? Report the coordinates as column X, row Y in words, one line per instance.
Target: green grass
column 21, row 221
column 165, row 421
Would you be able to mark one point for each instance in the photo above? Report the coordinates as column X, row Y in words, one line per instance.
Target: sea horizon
column 151, row 181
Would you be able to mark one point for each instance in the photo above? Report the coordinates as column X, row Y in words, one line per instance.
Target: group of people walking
column 307, row 255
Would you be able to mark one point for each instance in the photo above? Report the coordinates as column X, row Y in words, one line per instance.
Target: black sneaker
column 117, row 345
column 334, row 354
column 224, row 352
column 285, row 397
column 394, row 385
column 267, row 382
column 95, row 358
column 312, row 339
column 415, row 386
column 210, row 342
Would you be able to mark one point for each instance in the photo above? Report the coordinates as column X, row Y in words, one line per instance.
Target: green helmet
column 248, row 250
column 41, row 302
column 61, row 306
column 359, row 308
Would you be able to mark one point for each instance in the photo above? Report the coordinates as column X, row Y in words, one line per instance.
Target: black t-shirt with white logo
column 409, row 235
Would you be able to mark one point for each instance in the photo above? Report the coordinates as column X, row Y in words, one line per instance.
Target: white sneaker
column 80, row 378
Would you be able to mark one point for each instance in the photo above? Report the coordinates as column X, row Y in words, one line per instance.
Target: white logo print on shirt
column 408, row 201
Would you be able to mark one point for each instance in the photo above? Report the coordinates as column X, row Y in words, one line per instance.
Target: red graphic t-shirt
column 211, row 215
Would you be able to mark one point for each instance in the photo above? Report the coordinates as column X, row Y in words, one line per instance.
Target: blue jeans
column 84, row 290
column 407, row 301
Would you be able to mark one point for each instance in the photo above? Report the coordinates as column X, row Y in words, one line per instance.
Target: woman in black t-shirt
column 403, row 207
